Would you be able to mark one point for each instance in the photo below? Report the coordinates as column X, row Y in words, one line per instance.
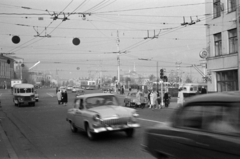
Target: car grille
column 27, row 98
column 120, row 121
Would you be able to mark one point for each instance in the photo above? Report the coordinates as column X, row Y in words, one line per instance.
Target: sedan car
column 101, row 112
column 206, row 126
column 107, row 89
column 76, row 89
column 130, row 99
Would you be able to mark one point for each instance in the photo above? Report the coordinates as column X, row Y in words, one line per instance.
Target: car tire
column 33, row 104
column 129, row 132
column 73, row 127
column 90, row 135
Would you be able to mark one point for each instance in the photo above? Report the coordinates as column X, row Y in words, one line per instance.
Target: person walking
column 153, row 98
column 180, row 99
column 148, row 96
column 64, row 97
column 59, row 97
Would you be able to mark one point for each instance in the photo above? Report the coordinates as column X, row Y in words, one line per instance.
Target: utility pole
column 157, row 76
column 118, row 57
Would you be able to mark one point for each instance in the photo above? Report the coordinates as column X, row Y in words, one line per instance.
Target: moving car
column 130, row 99
column 107, row 89
column 69, row 88
column 101, row 112
column 76, row 89
column 206, row 126
column 23, row 94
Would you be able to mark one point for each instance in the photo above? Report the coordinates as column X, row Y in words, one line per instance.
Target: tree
column 114, row 79
column 188, row 79
column 152, row 77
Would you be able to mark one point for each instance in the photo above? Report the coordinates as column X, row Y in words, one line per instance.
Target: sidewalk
column 6, row 149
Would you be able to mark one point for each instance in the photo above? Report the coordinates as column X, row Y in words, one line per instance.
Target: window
column 222, row 119
column 218, row 44
column 231, row 5
column 216, row 8
column 191, row 117
column 227, row 80
column 233, row 41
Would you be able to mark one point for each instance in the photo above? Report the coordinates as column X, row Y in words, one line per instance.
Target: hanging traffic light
column 161, row 73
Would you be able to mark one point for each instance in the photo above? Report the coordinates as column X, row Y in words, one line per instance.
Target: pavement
column 6, row 149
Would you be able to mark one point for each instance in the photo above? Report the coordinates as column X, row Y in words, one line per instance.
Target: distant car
column 206, row 126
column 69, row 88
column 107, row 89
column 36, row 96
column 101, row 112
column 76, row 89
column 130, row 99
column 80, row 92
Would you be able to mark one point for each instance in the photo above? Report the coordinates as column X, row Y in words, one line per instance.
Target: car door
column 79, row 121
column 194, row 121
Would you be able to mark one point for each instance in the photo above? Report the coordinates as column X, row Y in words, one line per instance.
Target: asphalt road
column 43, row 132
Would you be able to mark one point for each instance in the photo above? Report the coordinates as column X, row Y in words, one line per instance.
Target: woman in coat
column 64, row 97
column 59, row 97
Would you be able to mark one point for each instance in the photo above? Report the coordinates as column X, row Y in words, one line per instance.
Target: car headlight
column 20, row 99
column 134, row 114
column 96, row 117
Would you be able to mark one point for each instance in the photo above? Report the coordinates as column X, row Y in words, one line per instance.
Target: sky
column 138, row 29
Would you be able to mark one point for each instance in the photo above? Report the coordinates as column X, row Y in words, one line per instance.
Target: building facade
column 6, row 71
column 222, row 45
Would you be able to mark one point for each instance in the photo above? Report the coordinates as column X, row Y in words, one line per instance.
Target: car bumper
column 115, row 128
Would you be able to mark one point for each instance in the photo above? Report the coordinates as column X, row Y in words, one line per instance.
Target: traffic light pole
column 162, row 94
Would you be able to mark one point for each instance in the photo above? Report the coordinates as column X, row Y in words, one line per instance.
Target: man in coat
column 64, row 97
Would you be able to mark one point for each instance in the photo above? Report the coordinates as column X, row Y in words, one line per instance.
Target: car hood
column 113, row 111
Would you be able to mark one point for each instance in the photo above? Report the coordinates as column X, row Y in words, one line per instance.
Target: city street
column 43, row 132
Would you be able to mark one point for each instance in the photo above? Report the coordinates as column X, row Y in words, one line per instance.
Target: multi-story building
column 222, row 45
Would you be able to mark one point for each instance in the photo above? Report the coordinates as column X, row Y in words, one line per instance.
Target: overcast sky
column 136, row 21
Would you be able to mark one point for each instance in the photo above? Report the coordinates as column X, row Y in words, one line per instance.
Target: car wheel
column 91, row 135
column 129, row 132
column 33, row 104
column 73, row 128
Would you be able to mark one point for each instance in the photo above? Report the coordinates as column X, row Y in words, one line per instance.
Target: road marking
column 154, row 121
column 51, row 94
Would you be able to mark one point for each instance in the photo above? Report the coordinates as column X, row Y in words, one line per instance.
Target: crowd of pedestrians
column 62, row 97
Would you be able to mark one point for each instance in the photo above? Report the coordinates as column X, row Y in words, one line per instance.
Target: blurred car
column 130, row 99
column 101, row 112
column 206, row 126
column 76, row 89
column 69, row 88
column 107, row 89
column 80, row 92
column 36, row 96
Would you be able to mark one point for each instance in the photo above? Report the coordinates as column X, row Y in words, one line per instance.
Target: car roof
column 94, row 94
column 23, row 85
column 223, row 97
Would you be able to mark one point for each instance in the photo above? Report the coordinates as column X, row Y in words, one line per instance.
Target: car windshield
column 98, row 101
column 26, row 90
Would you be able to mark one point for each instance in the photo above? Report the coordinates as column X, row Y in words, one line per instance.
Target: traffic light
column 161, row 73
column 165, row 79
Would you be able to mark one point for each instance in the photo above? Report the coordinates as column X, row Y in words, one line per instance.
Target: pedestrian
column 122, row 90
column 180, row 99
column 148, row 96
column 130, row 89
column 59, row 97
column 64, row 97
column 158, row 100
column 204, row 90
column 153, row 98
column 166, row 99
